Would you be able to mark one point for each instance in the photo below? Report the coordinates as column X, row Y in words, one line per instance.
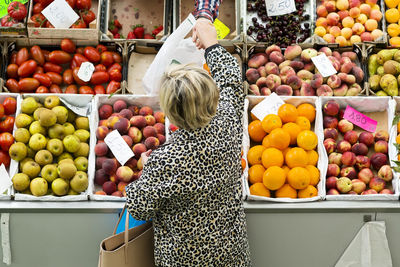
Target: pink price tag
column 360, row 119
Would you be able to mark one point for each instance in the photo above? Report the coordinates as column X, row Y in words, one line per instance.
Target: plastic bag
column 175, row 49
column 132, row 222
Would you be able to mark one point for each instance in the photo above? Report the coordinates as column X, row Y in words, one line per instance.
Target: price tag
column 222, row 29
column 324, row 65
column 4, row 5
column 5, row 180
column 85, row 71
column 60, row 14
column 360, row 119
column 280, row 7
column 269, row 105
column 118, row 147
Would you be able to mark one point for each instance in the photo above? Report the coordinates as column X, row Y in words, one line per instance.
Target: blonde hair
column 188, row 96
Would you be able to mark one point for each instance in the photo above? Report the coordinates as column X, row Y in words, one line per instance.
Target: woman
column 191, row 187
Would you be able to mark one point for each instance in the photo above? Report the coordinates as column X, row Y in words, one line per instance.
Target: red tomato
column 44, row 79
column 86, row 90
column 12, row 85
column 45, row 2
column 107, row 58
column 38, row 20
column 49, row 25
column 22, row 56
column 72, row 4
column 37, row 8
column 80, row 50
column 12, row 71
column 27, row 68
column 98, row 67
column 13, row 58
column 6, row 124
column 112, row 87
column 91, row 54
column 79, row 24
column 10, row 105
column 5, row 159
column 6, row 140
column 55, row 89
column 88, row 16
column 68, row 46
column 67, row 77
column 83, row 4
column 117, row 57
column 39, row 70
column 52, row 67
column 1, row 110
column 59, row 57
column 101, row 48
column 71, row 89
column 55, row 77
column 115, row 66
column 17, row 10
column 8, row 21
column 76, row 78
column 99, row 89
column 46, row 54
column 99, row 77
column 37, row 55
column 28, row 84
column 115, row 75
column 79, row 59
column 42, row 90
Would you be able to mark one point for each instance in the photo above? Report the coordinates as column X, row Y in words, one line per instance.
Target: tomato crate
column 16, row 30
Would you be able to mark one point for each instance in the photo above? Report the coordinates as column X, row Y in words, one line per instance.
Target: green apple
column 71, row 116
column 71, row 143
column 20, row 181
column 83, row 151
column 22, row 135
column 81, row 163
column 18, row 151
column 49, row 172
column 60, row 187
column 61, row 113
column 38, row 187
column 68, row 128
column 23, row 120
column 83, row 135
column 37, row 112
column 47, row 118
column 29, row 105
column 72, row 192
column 43, row 157
column 82, row 123
column 51, row 101
column 79, row 182
column 22, row 162
column 30, row 152
column 64, row 155
column 55, row 146
column 66, row 170
column 66, row 161
column 31, row 168
column 56, row 131
column 37, row 142
column 37, row 128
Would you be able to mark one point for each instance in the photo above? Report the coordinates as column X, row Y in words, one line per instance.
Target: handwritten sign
column 222, row 29
column 360, row 119
column 4, row 5
column 269, row 105
column 324, row 65
column 280, row 7
column 60, row 14
column 85, row 71
column 118, row 147
column 5, row 181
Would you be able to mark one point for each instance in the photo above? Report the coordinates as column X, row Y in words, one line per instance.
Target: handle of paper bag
column 126, row 231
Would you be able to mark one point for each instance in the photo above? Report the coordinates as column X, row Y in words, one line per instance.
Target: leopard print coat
column 191, row 185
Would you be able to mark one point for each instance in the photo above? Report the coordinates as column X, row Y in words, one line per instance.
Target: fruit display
column 392, row 15
column 141, row 125
column 291, row 72
column 384, row 72
column 33, row 69
column 283, row 153
column 7, row 117
column 51, row 149
column 347, row 22
column 358, row 161
column 279, row 30
column 16, row 14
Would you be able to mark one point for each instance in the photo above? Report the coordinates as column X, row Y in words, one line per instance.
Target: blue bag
column 132, row 222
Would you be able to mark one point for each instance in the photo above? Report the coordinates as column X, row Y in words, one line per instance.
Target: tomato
column 112, row 87
column 10, row 105
column 6, row 140
column 79, row 59
column 55, row 77
column 39, row 70
column 117, row 57
column 68, row 46
column 80, row 50
column 88, row 16
column 46, row 54
column 6, row 124
column 59, row 57
column 115, row 75
column 22, row 56
column 76, row 78
column 37, row 8
column 67, row 77
column 71, row 3
column 83, row 4
column 115, row 66
column 38, row 20
column 99, row 77
column 42, row 90
column 52, row 67
column 12, row 85
column 79, row 24
column 87, row 90
column 17, row 10
column 45, row 3
column 107, row 58
column 99, row 89
column 44, row 79
column 13, row 58
column 5, row 159
column 55, row 89
column 27, row 68
column 101, row 48
column 71, row 89
column 37, row 55
column 28, row 84
column 12, row 71
column 8, row 21
column 48, row 25
column 100, row 67
column 91, row 54
column 1, row 110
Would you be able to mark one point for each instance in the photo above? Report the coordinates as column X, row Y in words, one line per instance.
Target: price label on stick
column 119, row 147
column 85, row 71
column 324, row 65
column 360, row 119
column 269, row 105
column 280, row 7
column 60, row 14
column 5, row 181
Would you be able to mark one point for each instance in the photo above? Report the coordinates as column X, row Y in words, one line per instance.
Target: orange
column 253, row 117
column 274, row 177
column 287, row 113
column 256, row 131
column 309, row 191
column 254, row 154
column 285, row 151
column 293, row 130
column 279, row 139
column 243, row 162
column 259, row 189
column 286, row 191
column 314, row 174
column 307, row 110
column 303, row 122
column 299, row 178
column 272, row 157
column 296, row 157
column 312, row 156
column 256, row 173
column 398, row 139
column 307, row 140
column 286, row 169
column 270, row 122
column 266, row 142
column 392, row 15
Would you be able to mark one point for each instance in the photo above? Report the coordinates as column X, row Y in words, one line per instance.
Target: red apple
column 331, row 182
column 333, row 170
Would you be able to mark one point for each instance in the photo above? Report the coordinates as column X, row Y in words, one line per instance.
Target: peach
column 381, row 146
column 292, row 52
column 261, row 70
column 377, row 184
column 346, row 68
column 294, row 82
column 134, row 109
column 138, row 121
column 103, row 123
column 343, row 14
column 99, row 161
column 252, row 75
column 307, row 54
column 333, row 19
column 146, row 110
column 296, row 93
column 324, row 90
column 101, row 132
column 286, row 72
column 326, row 50
column 271, row 49
column 309, row 66
column 330, row 6
column 335, row 61
column 122, row 125
column 121, row 186
column 342, row 4
column 329, row 38
column 109, row 187
column 151, row 142
column 335, row 55
column 331, row 182
column 284, row 63
column 100, row 177
column 331, row 133
column 365, row 175
column 348, row 172
column 341, row 40
column 276, row 57
column 346, row 33
column 321, row 11
column 365, row 9
column 345, row 126
column 381, row 135
column 369, row 192
column 105, row 111
column 341, row 90
column 132, row 163
column 386, row 191
column 362, row 18
column 119, row 105
column 348, row 22
column 333, row 191
column 112, row 120
column 366, row 37
column 261, row 82
column 376, row 34
column 358, row 186
column 358, row 28
column 335, row 31
column 334, row 81
column 273, row 81
column 284, row 90
column 351, row 55
column 150, row 120
column 127, row 140
column 159, row 116
column 135, row 134
column 354, row 3
column 109, row 166
column 161, row 138
column 378, row 160
column 256, row 60
column 117, row 194
column 385, row 173
column 321, row 22
column 355, row 39
column 362, row 162
column 101, row 149
column 354, row 12
column 307, row 90
column 371, row 25
column 348, row 158
column 333, row 170
column 343, row 146
column 296, row 65
column 358, row 73
column 371, row 2
column 366, row 138
column 265, row 91
column 335, row 158
column 124, row 174
column 305, row 75
column 272, row 68
column 126, row 113
column 330, row 122
column 138, row 149
column 352, row 138
column 360, row 149
column 330, row 145
column 254, row 89
column 160, row 128
column 376, row 15
column 317, row 80
column 149, row 131
column 354, row 90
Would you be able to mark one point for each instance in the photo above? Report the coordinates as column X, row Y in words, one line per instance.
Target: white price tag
column 5, row 180
column 324, row 65
column 85, row 71
column 119, row 147
column 269, row 105
column 60, row 14
column 279, row 7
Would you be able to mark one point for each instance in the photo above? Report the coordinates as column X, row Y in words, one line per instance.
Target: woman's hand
column 204, row 34
column 145, row 156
